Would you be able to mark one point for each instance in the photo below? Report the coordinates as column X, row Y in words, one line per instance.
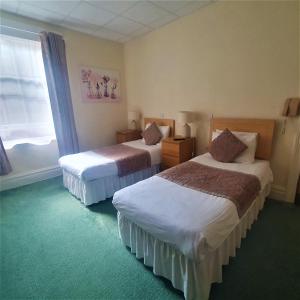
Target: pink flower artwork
column 98, row 85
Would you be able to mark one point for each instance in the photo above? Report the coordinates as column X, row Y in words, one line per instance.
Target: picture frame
column 99, row 85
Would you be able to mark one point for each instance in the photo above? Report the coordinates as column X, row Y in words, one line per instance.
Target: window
column 25, row 113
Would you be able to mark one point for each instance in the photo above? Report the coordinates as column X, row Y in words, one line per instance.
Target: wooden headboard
column 264, row 128
column 162, row 122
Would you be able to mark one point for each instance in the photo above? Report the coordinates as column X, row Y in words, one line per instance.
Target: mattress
column 193, row 222
column 90, row 165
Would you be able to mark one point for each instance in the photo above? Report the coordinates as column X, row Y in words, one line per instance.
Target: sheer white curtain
column 25, row 113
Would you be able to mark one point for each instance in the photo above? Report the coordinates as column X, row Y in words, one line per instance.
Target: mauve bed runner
column 240, row 188
column 127, row 159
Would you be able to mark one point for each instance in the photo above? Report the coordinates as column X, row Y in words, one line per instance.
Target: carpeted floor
column 53, row 247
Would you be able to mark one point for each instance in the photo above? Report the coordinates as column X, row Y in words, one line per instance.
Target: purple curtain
column 54, row 56
column 5, row 166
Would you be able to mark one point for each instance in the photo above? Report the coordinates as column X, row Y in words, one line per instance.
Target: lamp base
column 186, row 130
column 133, row 125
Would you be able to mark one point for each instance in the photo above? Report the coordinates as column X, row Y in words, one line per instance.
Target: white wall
column 30, row 163
column 230, row 59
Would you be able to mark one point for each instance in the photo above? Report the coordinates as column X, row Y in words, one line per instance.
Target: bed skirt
column 94, row 191
column 193, row 278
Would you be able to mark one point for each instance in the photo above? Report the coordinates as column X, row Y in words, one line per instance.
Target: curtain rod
column 23, row 30
column 28, row 31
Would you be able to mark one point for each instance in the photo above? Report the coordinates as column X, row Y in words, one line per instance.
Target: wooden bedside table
column 128, row 135
column 176, row 152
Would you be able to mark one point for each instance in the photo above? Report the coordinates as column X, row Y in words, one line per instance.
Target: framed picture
column 99, row 85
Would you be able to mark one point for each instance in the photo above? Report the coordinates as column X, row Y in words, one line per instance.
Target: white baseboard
column 13, row 181
column 278, row 192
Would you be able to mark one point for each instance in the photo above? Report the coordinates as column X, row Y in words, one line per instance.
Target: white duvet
column 90, row 165
column 192, row 221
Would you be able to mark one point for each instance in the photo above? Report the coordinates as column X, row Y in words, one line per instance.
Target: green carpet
column 53, row 247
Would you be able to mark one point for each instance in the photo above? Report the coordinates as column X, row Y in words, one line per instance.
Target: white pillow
column 249, row 139
column 165, row 131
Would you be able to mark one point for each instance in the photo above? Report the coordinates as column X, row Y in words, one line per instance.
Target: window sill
column 38, row 141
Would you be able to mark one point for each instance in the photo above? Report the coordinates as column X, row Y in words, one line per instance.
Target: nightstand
column 128, row 135
column 175, row 152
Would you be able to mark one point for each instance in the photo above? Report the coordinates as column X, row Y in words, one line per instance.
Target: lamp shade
column 133, row 116
column 185, row 117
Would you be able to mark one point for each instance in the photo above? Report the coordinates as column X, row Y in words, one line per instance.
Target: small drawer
column 169, row 161
column 170, row 149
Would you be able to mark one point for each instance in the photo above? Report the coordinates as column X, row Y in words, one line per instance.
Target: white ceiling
column 114, row 20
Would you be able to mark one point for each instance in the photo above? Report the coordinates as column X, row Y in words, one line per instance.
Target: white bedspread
column 90, row 165
column 154, row 150
column 192, row 221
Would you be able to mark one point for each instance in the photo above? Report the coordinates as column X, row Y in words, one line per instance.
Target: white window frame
column 28, row 34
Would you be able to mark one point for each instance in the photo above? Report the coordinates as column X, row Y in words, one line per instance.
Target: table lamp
column 133, row 117
column 185, row 117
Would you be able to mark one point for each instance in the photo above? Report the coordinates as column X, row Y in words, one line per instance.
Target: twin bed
column 94, row 176
column 187, row 221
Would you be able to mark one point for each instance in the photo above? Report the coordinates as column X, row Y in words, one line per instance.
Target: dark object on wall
column 291, row 107
column 297, row 199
